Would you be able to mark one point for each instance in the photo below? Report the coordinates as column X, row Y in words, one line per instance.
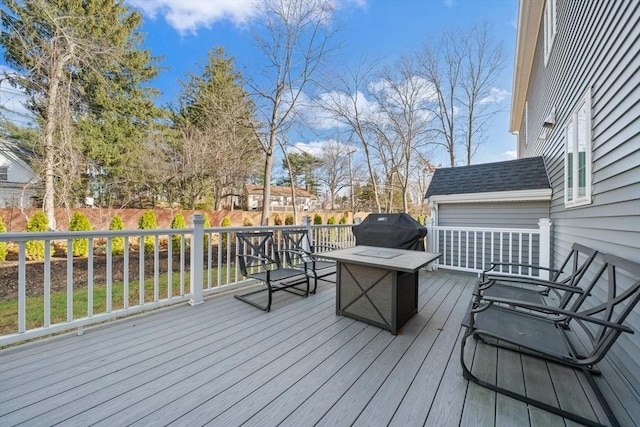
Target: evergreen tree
column 35, row 248
column 217, row 148
column 148, row 222
column 3, row 245
column 117, row 243
column 83, row 69
column 80, row 222
column 177, row 222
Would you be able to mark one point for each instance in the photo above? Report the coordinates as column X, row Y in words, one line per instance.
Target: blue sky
column 183, row 31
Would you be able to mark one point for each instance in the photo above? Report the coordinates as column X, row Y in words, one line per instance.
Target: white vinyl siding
column 577, row 159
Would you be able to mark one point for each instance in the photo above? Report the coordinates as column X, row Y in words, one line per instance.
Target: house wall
column 19, row 188
column 495, row 214
column 597, row 48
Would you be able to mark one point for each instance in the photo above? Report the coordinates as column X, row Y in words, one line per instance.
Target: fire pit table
column 378, row 285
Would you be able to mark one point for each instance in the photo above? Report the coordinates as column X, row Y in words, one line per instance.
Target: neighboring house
column 18, row 182
column 281, row 199
column 576, row 104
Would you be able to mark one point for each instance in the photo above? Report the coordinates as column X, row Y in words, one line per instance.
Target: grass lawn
column 35, row 305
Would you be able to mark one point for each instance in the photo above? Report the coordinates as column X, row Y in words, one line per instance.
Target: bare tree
column 462, row 68
column 335, row 167
column 483, row 61
column 294, row 39
column 346, row 103
column 402, row 98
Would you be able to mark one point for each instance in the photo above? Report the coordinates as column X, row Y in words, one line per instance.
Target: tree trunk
column 57, row 67
column 266, row 191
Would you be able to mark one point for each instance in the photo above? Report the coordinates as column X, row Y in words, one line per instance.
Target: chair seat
column 278, row 275
column 321, row 265
column 522, row 329
column 505, row 291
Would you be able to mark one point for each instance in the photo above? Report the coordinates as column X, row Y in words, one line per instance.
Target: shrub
column 226, row 222
column 177, row 222
column 246, row 222
column 317, row 219
column 277, row 220
column 343, row 220
column 35, row 248
column 148, row 222
column 331, row 220
column 3, row 245
column 206, row 224
column 80, row 222
column 117, row 243
column 288, row 220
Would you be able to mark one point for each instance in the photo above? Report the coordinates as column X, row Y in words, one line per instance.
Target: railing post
column 306, row 221
column 431, row 242
column 545, row 246
column 197, row 259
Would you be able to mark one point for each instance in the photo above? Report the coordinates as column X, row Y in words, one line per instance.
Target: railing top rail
column 62, row 235
column 489, row 229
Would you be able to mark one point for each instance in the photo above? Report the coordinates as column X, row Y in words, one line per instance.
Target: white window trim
column 586, row 199
column 526, row 123
column 549, row 28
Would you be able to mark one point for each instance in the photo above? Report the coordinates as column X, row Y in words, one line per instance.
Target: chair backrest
column 297, row 240
column 619, row 280
column 574, row 266
column 257, row 244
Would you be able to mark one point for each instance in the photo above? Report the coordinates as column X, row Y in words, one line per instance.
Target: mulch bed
column 58, row 271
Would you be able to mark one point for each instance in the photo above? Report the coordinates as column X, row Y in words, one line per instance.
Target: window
column 577, row 160
column 3, row 174
column 549, row 27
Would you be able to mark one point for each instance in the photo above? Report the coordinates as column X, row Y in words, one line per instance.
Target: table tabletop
column 388, row 258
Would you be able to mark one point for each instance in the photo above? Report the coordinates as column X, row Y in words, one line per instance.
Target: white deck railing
column 474, row 249
column 177, row 258
column 179, row 266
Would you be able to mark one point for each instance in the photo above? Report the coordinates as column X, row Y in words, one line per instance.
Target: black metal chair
column 302, row 252
column 579, row 336
column 259, row 258
column 563, row 283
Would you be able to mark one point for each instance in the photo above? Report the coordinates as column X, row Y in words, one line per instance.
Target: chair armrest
column 529, row 281
column 513, row 264
column 558, row 311
column 257, row 257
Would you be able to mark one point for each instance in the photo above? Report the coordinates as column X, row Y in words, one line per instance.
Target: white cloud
column 316, row 148
column 496, row 95
column 510, row 155
column 322, row 119
column 450, row 3
column 186, row 16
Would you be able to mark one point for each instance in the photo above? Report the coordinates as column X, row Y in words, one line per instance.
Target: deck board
column 227, row 363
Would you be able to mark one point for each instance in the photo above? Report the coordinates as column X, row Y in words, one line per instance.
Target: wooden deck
column 226, row 363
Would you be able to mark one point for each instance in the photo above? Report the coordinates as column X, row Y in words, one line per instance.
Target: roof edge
column 540, row 194
column 529, row 17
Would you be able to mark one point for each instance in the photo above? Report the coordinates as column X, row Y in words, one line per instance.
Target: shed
column 508, row 194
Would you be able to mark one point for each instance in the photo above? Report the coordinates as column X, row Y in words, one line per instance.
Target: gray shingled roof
column 513, row 175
